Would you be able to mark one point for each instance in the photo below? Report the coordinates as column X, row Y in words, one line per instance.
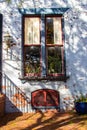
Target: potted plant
column 81, row 104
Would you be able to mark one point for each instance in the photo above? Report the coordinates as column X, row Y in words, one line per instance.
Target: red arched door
column 47, row 98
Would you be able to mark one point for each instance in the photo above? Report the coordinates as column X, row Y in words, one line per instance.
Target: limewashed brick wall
column 75, row 30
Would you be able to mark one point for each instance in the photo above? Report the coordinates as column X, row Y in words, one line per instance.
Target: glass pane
column 32, row 60
column 52, row 97
column 54, row 62
column 49, row 31
column 32, row 31
column 39, row 99
column 53, row 30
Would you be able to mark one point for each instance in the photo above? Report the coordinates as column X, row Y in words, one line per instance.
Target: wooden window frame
column 62, row 76
column 31, row 45
column 56, row 45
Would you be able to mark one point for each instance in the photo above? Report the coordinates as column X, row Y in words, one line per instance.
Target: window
column 54, row 45
column 43, row 46
column 32, row 46
column 45, row 98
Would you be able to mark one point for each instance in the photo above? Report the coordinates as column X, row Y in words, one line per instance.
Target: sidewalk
column 50, row 120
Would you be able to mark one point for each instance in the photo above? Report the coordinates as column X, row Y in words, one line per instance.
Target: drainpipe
column 0, row 53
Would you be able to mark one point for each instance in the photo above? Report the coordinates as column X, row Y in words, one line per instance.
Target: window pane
column 54, row 62
column 32, row 60
column 52, row 98
column 53, row 31
column 32, row 33
column 38, row 98
column 49, row 31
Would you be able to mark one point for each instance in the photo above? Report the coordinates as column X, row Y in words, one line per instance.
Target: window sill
column 48, row 78
column 46, row 107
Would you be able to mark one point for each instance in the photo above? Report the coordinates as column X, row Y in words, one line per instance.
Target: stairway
column 16, row 99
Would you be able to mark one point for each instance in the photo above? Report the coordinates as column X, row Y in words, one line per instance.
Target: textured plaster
column 75, row 30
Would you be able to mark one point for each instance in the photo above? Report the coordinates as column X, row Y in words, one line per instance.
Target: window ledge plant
column 82, row 98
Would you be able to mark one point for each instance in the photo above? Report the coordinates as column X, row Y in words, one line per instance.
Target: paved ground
column 50, row 120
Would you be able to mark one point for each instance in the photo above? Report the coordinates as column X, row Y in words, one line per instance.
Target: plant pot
column 81, row 107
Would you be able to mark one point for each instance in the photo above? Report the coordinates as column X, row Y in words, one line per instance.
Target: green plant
column 54, row 64
column 19, row 3
column 8, row 1
column 81, row 98
column 32, row 68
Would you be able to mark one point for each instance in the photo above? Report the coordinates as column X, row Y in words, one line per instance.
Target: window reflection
column 53, row 31
column 32, row 59
column 54, row 60
column 35, row 49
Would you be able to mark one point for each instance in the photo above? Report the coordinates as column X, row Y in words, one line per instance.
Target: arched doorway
column 45, row 98
column 0, row 52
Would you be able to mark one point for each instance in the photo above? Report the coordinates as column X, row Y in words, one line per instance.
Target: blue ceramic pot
column 81, row 107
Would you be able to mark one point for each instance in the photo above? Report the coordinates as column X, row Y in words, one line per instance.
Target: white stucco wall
column 75, row 25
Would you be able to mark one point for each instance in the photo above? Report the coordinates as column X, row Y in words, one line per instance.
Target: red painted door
column 45, row 98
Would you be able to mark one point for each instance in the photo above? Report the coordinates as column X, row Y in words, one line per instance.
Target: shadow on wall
column 75, row 41
column 76, row 50
column 14, row 105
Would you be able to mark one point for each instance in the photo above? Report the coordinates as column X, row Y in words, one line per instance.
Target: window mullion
column 43, row 46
